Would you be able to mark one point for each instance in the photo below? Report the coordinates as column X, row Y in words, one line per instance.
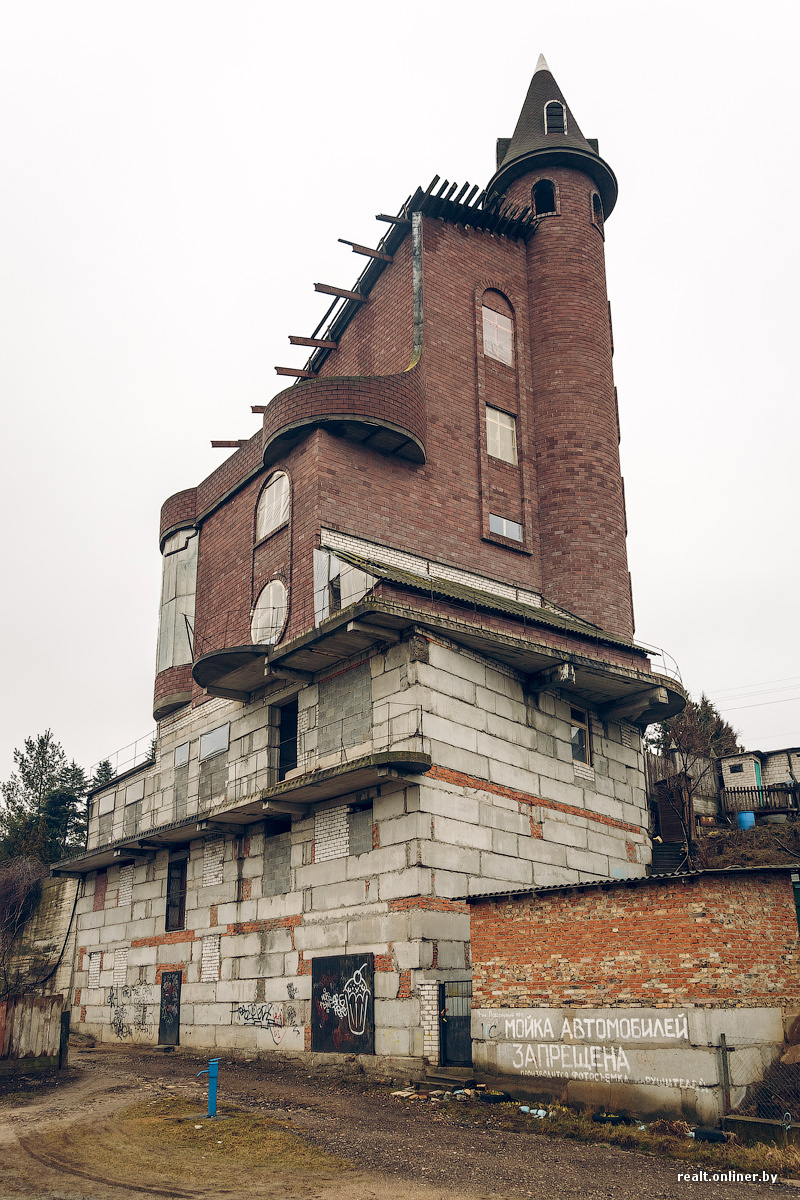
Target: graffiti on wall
column 131, row 1008
column 277, row 1018
column 342, row 1004
column 601, row 1047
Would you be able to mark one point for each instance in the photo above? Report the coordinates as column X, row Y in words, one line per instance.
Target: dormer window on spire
column 555, row 117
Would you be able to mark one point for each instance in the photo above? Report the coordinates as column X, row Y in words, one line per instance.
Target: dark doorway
column 287, row 739
column 169, row 1019
column 455, row 1035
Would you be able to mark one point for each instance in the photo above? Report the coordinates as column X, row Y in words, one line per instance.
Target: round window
column 269, row 615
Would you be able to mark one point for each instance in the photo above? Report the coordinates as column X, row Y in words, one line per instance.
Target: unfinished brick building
column 396, row 660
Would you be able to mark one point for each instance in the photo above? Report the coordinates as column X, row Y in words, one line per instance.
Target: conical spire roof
column 533, row 145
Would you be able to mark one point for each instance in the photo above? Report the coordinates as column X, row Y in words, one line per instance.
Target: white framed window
column 273, row 506
column 579, row 735
column 214, row 742
column 269, row 614
column 501, row 435
column 498, row 336
column 182, row 754
column 555, row 117
column 505, row 528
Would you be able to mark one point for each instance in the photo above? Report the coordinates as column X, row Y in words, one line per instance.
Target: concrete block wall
column 382, row 871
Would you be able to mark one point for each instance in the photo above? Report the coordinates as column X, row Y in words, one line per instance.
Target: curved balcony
column 178, row 512
column 173, row 690
column 383, row 412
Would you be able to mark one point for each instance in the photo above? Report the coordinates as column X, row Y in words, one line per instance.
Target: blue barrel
column 746, row 820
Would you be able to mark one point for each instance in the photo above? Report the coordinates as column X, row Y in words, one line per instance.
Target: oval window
column 269, row 614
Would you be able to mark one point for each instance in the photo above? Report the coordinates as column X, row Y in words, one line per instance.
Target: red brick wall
column 581, row 505
column 728, row 941
column 380, row 338
column 566, row 490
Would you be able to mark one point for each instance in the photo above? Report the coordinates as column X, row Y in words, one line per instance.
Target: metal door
column 169, row 1020
column 455, row 1037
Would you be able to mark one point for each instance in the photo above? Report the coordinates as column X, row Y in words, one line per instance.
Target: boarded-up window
column 94, row 968
column 555, row 117
column 277, row 876
column 501, row 435
column 498, row 336
column 120, row 975
column 213, row 854
column 360, row 822
column 176, row 895
column 132, row 818
column 214, row 742
column 209, row 962
column 269, row 614
column 179, row 582
column 273, row 506
column 125, row 892
column 105, row 827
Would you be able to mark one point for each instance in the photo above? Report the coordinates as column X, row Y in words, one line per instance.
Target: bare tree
column 690, row 745
column 20, row 890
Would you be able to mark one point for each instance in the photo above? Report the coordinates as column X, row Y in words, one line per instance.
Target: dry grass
column 578, row 1126
column 164, row 1142
column 762, row 845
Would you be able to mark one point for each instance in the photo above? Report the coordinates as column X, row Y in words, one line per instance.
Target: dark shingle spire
column 547, row 133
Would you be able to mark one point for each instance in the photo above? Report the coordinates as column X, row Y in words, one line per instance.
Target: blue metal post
column 212, row 1073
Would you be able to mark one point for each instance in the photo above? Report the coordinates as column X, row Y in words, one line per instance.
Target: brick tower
column 395, row 660
column 549, row 165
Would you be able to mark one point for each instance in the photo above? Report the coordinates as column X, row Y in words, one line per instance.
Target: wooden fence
column 30, row 1034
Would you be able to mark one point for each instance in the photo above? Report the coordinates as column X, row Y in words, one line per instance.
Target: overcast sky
column 176, row 176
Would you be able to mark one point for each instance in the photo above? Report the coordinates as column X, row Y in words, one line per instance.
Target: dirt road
column 72, row 1138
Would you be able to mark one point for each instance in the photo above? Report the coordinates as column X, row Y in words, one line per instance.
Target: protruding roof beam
column 329, row 290
column 217, row 444
column 259, row 409
column 392, row 220
column 296, row 372
column 319, row 343
column 358, row 249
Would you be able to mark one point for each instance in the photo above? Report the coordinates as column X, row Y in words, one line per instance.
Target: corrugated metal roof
column 476, row 598
column 629, row 879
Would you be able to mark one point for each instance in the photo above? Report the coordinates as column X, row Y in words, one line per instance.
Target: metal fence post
column 726, row 1079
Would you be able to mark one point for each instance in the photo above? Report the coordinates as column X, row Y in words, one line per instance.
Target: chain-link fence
column 757, row 1084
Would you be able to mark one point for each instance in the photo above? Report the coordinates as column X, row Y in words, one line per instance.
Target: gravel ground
column 400, row 1149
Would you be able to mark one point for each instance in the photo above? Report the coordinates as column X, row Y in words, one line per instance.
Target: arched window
column 273, row 506
column 498, row 328
column 269, row 614
column 555, row 117
column 597, row 211
column 543, row 198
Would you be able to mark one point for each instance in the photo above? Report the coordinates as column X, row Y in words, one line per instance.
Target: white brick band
column 331, row 834
column 209, row 962
column 213, row 854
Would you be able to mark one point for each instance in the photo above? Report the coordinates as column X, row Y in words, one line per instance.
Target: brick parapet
column 178, row 512
column 724, row 941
